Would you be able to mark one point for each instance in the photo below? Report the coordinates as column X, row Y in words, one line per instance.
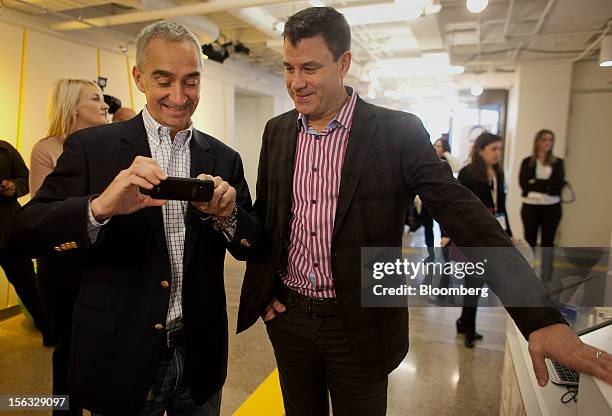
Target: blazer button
column 164, row 284
column 159, row 326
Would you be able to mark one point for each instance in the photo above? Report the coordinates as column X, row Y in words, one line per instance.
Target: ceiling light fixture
column 476, row 89
column 476, row 6
column 605, row 53
column 216, row 51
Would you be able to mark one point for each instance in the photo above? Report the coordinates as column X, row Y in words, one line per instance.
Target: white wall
column 252, row 113
column 588, row 220
column 574, row 101
column 539, row 100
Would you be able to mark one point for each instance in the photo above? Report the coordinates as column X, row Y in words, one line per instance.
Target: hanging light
column 476, row 6
column 476, row 89
column 605, row 53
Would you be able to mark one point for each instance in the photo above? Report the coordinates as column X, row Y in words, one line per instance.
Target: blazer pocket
column 95, row 321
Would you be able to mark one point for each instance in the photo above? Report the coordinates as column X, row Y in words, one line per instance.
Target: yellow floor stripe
column 266, row 399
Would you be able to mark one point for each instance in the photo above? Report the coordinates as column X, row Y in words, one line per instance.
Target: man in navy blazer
column 150, row 323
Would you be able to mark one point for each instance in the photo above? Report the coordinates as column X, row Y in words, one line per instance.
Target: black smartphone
column 182, row 189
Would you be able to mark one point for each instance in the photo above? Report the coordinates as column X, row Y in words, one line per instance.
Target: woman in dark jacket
column 485, row 178
column 541, row 177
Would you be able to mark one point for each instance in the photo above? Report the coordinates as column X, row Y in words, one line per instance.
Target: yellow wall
column 48, row 58
column 10, row 57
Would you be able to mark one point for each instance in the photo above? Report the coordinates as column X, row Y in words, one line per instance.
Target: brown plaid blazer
column 389, row 160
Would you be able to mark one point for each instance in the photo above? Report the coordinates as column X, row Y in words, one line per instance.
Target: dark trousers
column 20, row 273
column 468, row 312
column 59, row 286
column 170, row 394
column 314, row 358
column 543, row 218
column 427, row 220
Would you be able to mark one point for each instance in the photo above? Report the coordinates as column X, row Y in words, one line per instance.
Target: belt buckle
column 309, row 307
column 169, row 335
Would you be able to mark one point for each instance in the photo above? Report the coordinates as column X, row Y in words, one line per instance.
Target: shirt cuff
column 93, row 226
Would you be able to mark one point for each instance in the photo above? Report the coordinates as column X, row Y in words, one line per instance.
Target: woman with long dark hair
column 485, row 178
column 541, row 177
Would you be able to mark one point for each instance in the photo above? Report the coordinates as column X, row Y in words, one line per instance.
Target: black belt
column 315, row 307
column 174, row 337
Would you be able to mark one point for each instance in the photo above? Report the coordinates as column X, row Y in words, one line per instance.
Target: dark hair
column 324, row 21
column 445, row 144
column 478, row 167
column 550, row 159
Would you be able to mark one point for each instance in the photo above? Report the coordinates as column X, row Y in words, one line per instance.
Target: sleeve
column 552, row 185
column 249, row 236
column 58, row 212
column 41, row 165
column 508, row 229
column 524, row 177
column 469, row 224
column 19, row 173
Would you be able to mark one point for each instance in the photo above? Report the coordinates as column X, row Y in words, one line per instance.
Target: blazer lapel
column 362, row 134
column 134, row 143
column 202, row 161
column 286, row 163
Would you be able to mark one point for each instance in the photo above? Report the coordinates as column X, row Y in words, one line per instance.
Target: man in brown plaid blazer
column 323, row 339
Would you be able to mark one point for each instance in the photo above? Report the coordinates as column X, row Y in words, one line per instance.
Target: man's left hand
column 7, row 189
column 560, row 343
column 223, row 200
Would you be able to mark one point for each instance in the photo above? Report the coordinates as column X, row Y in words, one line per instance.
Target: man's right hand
column 122, row 196
column 273, row 309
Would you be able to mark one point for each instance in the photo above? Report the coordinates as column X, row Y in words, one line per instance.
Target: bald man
column 123, row 114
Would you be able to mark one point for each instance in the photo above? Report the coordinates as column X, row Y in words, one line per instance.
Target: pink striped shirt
column 316, row 185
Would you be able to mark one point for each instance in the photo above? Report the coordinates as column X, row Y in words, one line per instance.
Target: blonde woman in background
column 74, row 104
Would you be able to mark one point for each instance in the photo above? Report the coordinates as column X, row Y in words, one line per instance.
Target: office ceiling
column 401, row 48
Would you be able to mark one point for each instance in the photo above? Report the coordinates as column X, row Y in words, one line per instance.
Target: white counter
column 595, row 396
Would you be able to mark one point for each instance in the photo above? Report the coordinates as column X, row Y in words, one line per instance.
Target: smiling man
column 337, row 174
column 150, row 325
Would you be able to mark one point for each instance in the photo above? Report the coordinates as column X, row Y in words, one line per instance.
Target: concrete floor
column 438, row 377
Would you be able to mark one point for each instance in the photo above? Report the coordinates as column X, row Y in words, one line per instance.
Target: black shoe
column 461, row 330
column 469, row 343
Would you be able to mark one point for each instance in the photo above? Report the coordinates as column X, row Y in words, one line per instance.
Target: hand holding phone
column 223, row 198
column 182, row 189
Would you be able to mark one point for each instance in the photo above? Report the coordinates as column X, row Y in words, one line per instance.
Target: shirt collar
column 156, row 131
column 344, row 117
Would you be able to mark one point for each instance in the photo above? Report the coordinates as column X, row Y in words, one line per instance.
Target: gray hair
column 163, row 29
